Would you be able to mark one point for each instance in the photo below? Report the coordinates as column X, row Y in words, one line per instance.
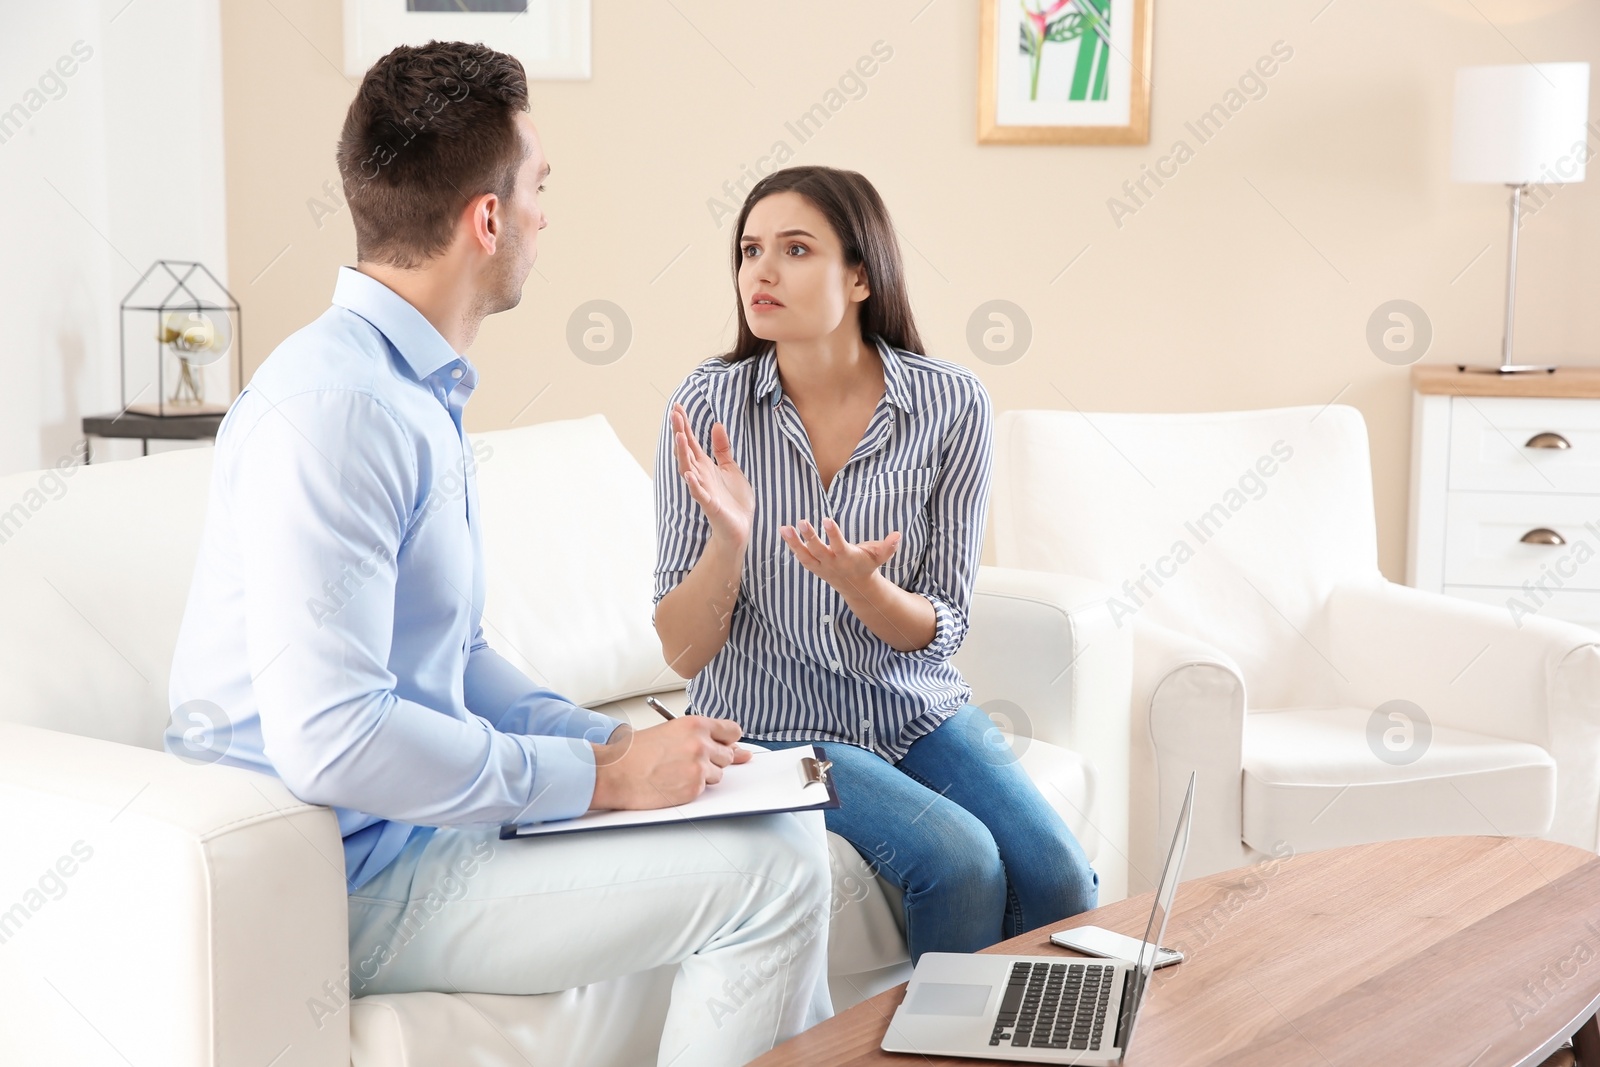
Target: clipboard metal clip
column 814, row 771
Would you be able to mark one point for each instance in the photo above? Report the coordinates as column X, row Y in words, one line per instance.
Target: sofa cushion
column 1312, row 781
column 569, row 551
column 1225, row 525
column 95, row 565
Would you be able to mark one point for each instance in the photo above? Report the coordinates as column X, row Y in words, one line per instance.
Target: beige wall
column 1245, row 281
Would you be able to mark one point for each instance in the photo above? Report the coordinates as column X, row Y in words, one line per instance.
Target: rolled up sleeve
column 956, row 509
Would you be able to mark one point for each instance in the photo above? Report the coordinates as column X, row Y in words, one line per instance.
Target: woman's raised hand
column 845, row 566
column 717, row 485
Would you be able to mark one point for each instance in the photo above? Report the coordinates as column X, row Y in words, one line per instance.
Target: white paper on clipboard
column 783, row 779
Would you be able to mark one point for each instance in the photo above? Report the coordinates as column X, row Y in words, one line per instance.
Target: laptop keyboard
column 1054, row 1005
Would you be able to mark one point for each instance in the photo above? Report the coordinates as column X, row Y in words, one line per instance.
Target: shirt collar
column 423, row 348
column 894, row 376
column 895, row 389
column 767, row 375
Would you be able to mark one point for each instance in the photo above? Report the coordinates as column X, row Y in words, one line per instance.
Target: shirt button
column 826, row 619
column 835, row 664
column 458, row 372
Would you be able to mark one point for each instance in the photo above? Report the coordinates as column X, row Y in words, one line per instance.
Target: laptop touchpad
column 944, row 998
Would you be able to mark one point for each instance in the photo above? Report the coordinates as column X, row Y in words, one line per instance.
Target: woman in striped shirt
column 815, row 567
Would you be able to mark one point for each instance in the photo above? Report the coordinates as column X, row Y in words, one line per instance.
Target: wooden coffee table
column 1460, row 951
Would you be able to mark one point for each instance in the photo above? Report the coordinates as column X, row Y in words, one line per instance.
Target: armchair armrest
column 163, row 912
column 1472, row 667
column 1046, row 645
column 1189, row 701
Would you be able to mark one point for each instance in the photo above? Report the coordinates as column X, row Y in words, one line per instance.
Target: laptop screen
column 1156, row 929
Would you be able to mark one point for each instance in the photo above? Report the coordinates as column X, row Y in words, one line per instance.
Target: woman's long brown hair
column 856, row 212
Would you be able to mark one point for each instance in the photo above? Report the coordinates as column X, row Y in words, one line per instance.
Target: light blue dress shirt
column 333, row 631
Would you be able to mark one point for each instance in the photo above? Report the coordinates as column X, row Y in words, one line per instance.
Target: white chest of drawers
column 1505, row 490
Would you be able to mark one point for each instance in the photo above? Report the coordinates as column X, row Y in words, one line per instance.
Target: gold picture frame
column 1107, row 97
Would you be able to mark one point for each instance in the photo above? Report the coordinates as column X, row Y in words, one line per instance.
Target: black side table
column 146, row 428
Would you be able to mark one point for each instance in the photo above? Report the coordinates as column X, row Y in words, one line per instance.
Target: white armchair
column 1320, row 704
column 152, row 911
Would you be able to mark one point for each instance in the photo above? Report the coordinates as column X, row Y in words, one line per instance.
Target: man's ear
column 483, row 220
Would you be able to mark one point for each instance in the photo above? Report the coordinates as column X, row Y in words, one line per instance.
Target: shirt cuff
column 942, row 647
column 563, row 776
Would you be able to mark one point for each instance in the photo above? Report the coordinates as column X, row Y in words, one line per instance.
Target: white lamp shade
column 1521, row 123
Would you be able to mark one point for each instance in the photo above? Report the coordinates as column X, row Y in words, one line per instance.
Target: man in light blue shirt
column 343, row 479
column 333, row 629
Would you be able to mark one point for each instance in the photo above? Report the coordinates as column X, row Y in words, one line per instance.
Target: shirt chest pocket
column 895, row 500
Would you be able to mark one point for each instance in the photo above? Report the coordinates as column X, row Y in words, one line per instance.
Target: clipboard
column 773, row 780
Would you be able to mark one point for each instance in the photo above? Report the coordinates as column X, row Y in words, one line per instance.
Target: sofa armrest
column 1043, row 651
column 163, row 912
column 1190, row 700
column 1474, row 667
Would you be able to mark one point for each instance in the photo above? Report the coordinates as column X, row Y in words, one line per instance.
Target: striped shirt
column 798, row 664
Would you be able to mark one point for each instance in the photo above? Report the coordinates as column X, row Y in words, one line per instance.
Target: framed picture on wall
column 551, row 37
column 1064, row 72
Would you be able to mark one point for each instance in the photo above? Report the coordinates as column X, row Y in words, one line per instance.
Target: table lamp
column 1516, row 125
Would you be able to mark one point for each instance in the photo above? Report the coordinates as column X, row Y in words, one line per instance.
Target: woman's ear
column 860, row 285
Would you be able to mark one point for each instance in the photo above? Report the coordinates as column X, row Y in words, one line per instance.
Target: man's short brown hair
column 429, row 129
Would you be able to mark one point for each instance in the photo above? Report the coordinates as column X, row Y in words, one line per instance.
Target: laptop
column 1035, row 1009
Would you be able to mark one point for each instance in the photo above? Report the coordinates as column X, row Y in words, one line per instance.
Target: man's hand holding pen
column 664, row 766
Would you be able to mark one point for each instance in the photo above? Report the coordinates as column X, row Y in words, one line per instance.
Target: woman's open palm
column 716, row 484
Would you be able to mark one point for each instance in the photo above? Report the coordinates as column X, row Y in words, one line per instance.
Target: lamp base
column 1507, row 368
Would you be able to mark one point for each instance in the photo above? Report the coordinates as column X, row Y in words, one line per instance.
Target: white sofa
column 154, row 911
column 1270, row 651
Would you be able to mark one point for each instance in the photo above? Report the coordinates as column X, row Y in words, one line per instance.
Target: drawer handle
column 1547, row 440
column 1543, row 536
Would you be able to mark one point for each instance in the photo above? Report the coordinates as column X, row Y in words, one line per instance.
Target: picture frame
column 552, row 38
column 1064, row 72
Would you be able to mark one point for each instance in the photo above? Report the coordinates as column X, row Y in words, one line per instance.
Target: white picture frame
column 552, row 38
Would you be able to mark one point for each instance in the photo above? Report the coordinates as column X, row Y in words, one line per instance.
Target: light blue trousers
column 740, row 905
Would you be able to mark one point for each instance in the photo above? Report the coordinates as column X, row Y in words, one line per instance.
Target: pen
column 661, row 709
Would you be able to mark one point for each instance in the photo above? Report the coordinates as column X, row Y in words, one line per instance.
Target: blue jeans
column 978, row 854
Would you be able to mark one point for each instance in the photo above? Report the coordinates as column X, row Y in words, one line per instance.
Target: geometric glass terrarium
column 179, row 326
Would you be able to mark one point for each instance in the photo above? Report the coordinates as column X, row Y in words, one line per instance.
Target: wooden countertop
column 1573, row 382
